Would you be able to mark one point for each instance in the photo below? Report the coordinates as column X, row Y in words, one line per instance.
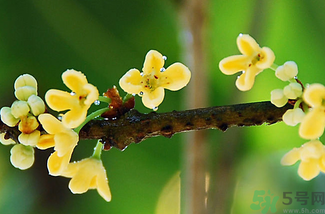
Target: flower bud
column 287, row 71
column 277, row 98
column 29, row 139
column 25, row 80
column 293, row 116
column 36, row 105
column 28, row 124
column 22, row 157
column 19, row 109
column 23, row 93
column 293, row 90
column 6, row 141
column 7, row 118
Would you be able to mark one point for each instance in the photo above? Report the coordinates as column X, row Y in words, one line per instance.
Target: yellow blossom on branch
column 253, row 60
column 63, row 139
column 312, row 126
column 155, row 78
column 77, row 102
column 87, row 174
column 311, row 156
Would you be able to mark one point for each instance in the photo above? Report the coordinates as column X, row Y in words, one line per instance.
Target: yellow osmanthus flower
column 312, row 157
column 63, row 139
column 155, row 78
column 312, row 126
column 87, row 174
column 77, row 102
column 253, row 60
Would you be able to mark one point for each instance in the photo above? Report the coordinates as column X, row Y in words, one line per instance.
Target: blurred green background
column 104, row 39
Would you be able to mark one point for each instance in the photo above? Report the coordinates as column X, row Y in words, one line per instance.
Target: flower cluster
column 28, row 114
column 23, row 113
column 40, row 129
column 308, row 103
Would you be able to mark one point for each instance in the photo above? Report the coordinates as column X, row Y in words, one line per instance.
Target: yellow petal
column 80, row 183
column 56, row 165
column 312, row 150
column 153, row 99
column 312, row 126
column 153, row 61
column 51, row 124
column 74, row 80
column 291, row 157
column 247, row 45
column 61, row 100
column 308, row 170
column 102, row 185
column 65, row 142
column 267, row 58
column 321, row 163
column 74, row 117
column 233, row 64
column 175, row 77
column 131, row 82
column 71, row 170
column 46, row 141
column 92, row 94
column 314, row 94
column 246, row 80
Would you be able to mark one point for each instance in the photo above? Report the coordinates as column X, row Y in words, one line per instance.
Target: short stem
column 297, row 104
column 104, row 99
column 91, row 117
column 274, row 66
column 127, row 97
column 98, row 150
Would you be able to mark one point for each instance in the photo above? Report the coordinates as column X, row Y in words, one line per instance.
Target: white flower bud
column 23, row 93
column 293, row 90
column 7, row 118
column 25, row 80
column 22, row 157
column 277, row 98
column 287, row 71
column 293, row 116
column 29, row 139
column 6, row 141
column 19, row 108
column 36, row 105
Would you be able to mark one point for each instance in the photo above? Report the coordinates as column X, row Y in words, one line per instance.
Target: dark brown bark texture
column 136, row 127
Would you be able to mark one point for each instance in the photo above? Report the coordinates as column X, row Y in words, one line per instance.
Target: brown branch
column 136, row 127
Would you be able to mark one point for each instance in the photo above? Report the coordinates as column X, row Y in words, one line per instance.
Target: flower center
column 256, row 59
column 150, row 81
